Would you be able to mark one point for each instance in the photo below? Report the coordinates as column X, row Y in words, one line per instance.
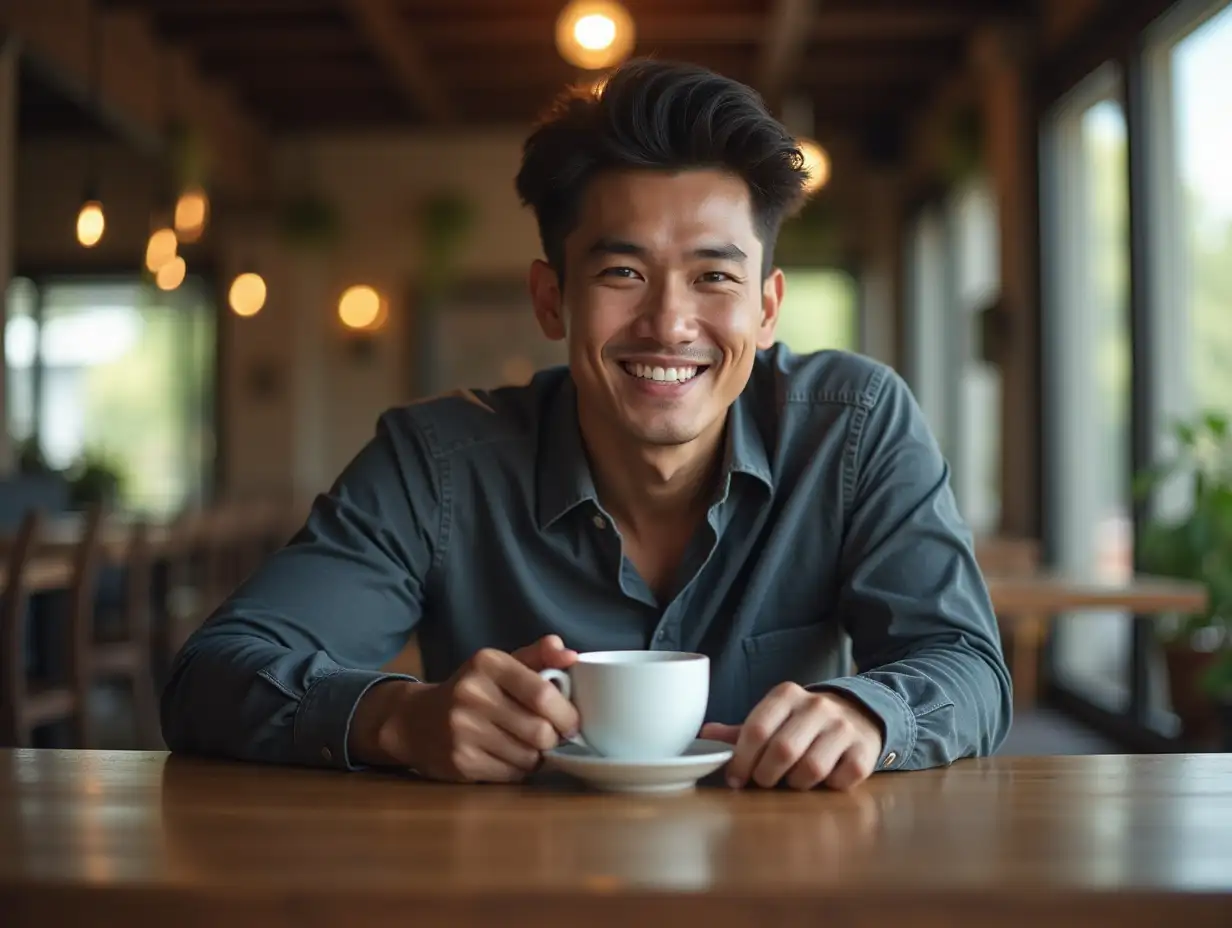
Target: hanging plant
column 962, row 146
column 309, row 221
column 445, row 221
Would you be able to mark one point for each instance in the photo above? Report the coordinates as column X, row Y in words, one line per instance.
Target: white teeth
column 663, row 374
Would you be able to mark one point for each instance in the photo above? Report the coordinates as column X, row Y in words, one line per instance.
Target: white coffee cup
column 637, row 705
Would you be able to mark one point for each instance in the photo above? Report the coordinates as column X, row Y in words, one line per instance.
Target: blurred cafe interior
column 233, row 232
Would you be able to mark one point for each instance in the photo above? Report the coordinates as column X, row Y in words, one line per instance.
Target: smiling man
column 685, row 484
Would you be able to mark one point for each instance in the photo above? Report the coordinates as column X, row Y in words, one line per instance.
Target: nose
column 670, row 316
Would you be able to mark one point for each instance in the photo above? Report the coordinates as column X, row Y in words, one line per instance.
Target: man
column 685, row 484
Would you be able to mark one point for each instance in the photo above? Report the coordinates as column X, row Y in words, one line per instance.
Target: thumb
column 718, row 731
column 548, row 651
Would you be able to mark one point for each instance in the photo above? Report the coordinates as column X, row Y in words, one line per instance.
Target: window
column 953, row 275
column 20, row 339
column 976, row 274
column 1087, row 373
column 819, row 310
column 1187, row 65
column 121, row 374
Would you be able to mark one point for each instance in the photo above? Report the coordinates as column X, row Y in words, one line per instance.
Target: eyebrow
column 613, row 246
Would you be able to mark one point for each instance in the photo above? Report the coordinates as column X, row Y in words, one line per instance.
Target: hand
column 490, row 721
column 807, row 738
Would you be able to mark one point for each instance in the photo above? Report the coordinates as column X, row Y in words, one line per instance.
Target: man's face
column 663, row 302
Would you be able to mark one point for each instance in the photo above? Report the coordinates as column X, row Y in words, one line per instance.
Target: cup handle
column 562, row 681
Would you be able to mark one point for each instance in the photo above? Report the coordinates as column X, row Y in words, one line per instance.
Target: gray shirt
column 473, row 521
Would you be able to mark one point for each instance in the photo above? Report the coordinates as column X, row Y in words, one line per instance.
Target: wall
column 325, row 401
column 296, row 401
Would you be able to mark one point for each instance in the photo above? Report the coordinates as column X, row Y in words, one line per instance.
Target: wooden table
column 96, row 838
column 1026, row 605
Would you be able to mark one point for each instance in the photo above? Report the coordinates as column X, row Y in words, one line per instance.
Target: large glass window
column 1187, row 67
column 976, row 275
column 124, row 378
column 1087, row 367
column 819, row 310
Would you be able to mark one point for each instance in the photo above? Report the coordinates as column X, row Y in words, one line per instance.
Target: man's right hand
column 489, row 722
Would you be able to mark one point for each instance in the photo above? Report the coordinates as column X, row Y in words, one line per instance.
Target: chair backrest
column 1006, row 556
column 87, row 559
column 13, row 603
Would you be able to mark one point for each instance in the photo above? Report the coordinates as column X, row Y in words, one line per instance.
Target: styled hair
column 658, row 116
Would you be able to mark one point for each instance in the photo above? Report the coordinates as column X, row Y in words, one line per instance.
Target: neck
column 645, row 486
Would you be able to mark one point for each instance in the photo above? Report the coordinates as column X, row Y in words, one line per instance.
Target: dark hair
column 658, row 115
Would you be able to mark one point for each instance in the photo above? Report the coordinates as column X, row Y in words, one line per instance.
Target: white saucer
column 663, row 775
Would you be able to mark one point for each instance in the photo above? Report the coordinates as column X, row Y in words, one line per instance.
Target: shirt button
column 327, row 754
column 889, row 759
column 600, row 522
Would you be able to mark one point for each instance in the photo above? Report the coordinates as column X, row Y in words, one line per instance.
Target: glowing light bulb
column 247, row 295
column 91, row 224
column 171, row 274
column 595, row 32
column 360, row 308
column 190, row 212
column 817, row 163
column 160, row 250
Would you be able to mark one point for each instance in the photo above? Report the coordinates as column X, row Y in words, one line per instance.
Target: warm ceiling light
column 171, row 274
column 594, row 34
column 91, row 223
column 247, row 294
column 160, row 250
column 817, row 163
column 360, row 308
column 190, row 212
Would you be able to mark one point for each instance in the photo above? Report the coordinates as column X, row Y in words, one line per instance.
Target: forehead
column 659, row 209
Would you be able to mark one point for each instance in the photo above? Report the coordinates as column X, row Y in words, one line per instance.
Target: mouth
column 654, row 374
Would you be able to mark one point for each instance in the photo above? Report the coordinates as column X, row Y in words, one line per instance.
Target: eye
column 716, row 277
column 621, row 273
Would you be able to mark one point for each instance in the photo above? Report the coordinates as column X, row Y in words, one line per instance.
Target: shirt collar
column 564, row 479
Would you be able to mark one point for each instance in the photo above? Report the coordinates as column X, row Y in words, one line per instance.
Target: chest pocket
column 808, row 654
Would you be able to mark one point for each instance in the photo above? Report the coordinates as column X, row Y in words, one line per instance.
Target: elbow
column 998, row 704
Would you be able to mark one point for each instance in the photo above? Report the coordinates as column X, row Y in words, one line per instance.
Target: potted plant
column 1196, row 546
column 95, row 478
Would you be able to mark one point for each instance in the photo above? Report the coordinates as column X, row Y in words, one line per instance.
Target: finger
column 548, row 651
column 788, row 745
column 537, row 696
column 498, row 744
column 755, row 734
column 476, row 765
column 853, row 768
column 818, row 761
column 529, row 728
column 718, row 731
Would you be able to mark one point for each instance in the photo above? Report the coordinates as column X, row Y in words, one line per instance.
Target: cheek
column 736, row 321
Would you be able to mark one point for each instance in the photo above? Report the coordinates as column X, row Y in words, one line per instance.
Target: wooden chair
column 1024, row 635
column 124, row 650
column 25, row 706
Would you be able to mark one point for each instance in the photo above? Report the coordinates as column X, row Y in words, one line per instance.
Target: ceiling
column 339, row 64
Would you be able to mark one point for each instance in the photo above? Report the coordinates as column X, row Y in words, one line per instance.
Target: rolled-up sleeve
column 276, row 672
column 913, row 600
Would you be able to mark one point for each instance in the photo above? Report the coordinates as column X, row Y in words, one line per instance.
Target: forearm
column 235, row 694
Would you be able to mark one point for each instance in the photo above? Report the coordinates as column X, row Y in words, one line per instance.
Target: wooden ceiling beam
column 384, row 29
column 144, row 84
column 782, row 49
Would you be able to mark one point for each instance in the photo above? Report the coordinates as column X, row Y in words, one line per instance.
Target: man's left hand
column 802, row 738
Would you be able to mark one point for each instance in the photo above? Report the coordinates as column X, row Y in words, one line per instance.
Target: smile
column 662, row 374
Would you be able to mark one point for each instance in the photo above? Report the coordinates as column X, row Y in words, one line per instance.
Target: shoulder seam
column 855, row 435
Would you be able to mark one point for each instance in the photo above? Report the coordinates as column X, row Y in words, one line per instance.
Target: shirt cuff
column 897, row 719
column 323, row 721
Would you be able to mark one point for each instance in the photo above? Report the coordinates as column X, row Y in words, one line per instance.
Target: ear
column 771, row 302
column 545, row 295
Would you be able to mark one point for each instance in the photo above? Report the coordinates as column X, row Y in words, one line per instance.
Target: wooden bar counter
column 129, row 839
